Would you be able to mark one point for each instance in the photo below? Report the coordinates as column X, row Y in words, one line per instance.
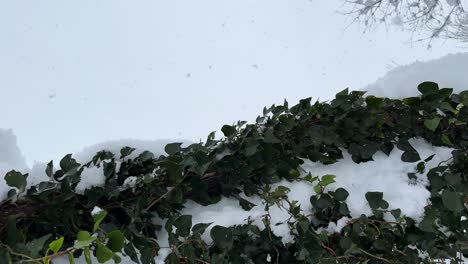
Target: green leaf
column 310, row 178
column 432, row 124
column 103, row 253
column 374, row 199
column 200, row 228
column 228, row 131
column 447, row 106
column 410, row 156
column 68, row 164
column 428, row 88
column 464, row 98
column 84, row 239
column 183, row 224
column 446, row 140
column 318, row 189
column 327, row 180
column 55, row 245
column 129, row 249
column 452, row 201
column 344, row 210
column 98, row 219
column 116, row 241
column 126, row 151
column 294, row 174
column 16, row 179
column 374, row 102
column 87, row 254
column 35, row 246
column 172, row 148
column 341, row 194
column 325, row 202
column 222, row 237
column 71, row 258
column 50, row 169
column 117, row 259
column 246, row 205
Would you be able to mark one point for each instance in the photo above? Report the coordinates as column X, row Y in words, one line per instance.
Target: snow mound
column 448, row 71
column 10, row 158
column 10, row 154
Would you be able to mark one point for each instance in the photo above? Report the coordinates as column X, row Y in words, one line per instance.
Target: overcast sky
column 74, row 73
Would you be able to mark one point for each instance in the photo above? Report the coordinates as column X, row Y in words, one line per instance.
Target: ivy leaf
column 87, row 254
column 374, row 102
column 341, row 194
column 327, row 180
column 446, row 140
column 103, row 253
column 55, row 245
column 35, row 246
column 432, row 124
column 83, row 239
column 172, row 148
column 374, row 199
column 68, row 164
column 126, row 151
column 317, row 188
column 428, row 88
column 452, row 201
column 310, row 178
column 344, row 210
column 50, row 169
column 129, row 249
column 200, row 228
column 16, row 179
column 98, row 219
column 116, row 241
column 228, row 131
column 222, row 237
column 246, row 205
column 410, row 156
column 183, row 224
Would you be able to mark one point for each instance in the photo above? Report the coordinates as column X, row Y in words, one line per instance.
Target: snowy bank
column 449, row 71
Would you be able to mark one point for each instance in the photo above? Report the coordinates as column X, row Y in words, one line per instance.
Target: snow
column 90, row 177
column 96, row 210
column 10, row 159
column 10, row 155
column 448, row 71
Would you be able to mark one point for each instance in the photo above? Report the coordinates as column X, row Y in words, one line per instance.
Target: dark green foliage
column 50, row 219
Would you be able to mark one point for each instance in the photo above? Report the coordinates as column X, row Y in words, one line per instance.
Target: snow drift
column 449, row 71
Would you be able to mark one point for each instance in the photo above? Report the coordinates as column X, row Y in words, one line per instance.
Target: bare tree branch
column 433, row 18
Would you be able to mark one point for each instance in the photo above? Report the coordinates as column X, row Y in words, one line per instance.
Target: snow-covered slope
column 10, row 158
column 449, row 71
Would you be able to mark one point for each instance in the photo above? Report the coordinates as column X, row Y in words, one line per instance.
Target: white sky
column 74, row 73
